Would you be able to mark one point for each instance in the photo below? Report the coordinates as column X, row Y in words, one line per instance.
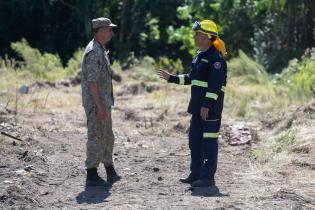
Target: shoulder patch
column 217, row 65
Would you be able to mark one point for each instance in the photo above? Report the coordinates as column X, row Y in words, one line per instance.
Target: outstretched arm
column 183, row 79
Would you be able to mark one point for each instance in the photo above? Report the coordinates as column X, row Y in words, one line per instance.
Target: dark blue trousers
column 203, row 145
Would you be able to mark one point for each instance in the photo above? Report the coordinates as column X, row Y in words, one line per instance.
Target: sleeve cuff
column 207, row 103
column 212, row 96
column 173, row 79
column 209, row 99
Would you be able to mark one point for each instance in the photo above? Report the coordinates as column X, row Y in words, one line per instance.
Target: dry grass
column 255, row 100
column 287, row 144
column 43, row 99
column 11, row 79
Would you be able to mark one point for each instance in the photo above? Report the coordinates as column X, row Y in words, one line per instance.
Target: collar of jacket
column 207, row 51
column 99, row 45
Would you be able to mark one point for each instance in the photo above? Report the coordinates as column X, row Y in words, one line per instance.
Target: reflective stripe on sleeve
column 212, row 95
column 181, row 79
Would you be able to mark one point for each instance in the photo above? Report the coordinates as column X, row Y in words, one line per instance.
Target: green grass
column 251, row 92
column 283, row 141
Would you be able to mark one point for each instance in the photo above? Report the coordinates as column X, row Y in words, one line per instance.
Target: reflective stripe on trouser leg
column 210, row 135
column 195, row 145
column 210, row 148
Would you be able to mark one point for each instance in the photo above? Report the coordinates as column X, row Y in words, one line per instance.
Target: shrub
column 44, row 65
column 246, row 70
column 40, row 64
column 299, row 76
column 74, row 63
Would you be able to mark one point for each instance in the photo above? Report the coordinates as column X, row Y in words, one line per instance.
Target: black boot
column 112, row 176
column 203, row 183
column 190, row 179
column 92, row 177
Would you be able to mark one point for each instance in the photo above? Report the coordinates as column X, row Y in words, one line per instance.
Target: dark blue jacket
column 207, row 80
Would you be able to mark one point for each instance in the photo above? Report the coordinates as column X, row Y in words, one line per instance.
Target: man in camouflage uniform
column 97, row 97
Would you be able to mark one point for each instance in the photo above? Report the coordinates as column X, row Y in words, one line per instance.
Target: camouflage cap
column 102, row 22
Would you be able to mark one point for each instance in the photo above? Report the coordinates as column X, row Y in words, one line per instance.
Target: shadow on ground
column 94, row 194
column 212, row 191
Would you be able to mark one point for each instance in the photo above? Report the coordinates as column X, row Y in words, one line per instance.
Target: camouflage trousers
column 100, row 144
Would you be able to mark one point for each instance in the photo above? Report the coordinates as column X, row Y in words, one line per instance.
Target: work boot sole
column 186, row 181
column 98, row 181
column 203, row 183
column 114, row 179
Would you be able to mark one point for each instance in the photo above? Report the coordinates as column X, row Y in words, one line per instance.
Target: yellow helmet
column 207, row 27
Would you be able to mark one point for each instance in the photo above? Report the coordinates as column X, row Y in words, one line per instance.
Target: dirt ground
column 46, row 169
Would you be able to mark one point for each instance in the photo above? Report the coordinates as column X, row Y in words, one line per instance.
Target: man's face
column 106, row 34
column 201, row 40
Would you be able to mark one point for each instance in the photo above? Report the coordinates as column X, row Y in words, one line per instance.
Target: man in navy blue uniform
column 208, row 81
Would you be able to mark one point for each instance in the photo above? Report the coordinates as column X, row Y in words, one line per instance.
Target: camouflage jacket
column 96, row 67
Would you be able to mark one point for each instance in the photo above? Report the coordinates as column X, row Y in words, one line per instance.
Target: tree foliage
column 272, row 32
